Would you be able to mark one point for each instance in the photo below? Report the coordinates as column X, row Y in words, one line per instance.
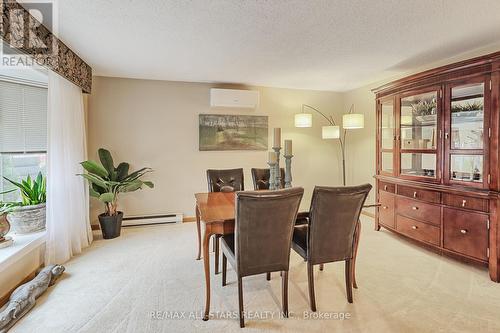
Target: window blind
column 23, row 118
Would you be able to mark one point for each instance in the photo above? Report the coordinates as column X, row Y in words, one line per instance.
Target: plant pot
column 27, row 219
column 4, row 227
column 111, row 226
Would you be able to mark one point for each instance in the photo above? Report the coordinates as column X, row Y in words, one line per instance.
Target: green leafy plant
column 7, row 207
column 474, row 106
column 33, row 191
column 106, row 181
column 424, row 107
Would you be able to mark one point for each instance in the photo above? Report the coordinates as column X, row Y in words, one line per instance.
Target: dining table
column 216, row 212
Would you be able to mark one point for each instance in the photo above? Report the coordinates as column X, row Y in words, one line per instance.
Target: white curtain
column 68, row 225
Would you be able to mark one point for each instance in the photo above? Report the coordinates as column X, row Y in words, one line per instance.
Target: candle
column 277, row 138
column 273, row 158
column 288, row 147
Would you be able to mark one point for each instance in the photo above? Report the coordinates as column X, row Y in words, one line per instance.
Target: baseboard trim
column 5, row 298
column 365, row 213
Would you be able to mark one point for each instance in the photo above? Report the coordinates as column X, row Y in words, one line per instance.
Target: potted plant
column 28, row 215
column 106, row 182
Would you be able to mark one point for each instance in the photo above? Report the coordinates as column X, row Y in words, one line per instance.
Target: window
column 23, row 131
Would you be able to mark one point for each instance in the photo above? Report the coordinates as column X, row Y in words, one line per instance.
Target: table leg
column 357, row 234
column 198, row 228
column 206, row 263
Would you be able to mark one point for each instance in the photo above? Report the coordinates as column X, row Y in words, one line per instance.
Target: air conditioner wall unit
column 234, row 98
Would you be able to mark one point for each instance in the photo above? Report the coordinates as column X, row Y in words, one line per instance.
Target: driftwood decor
column 23, row 33
column 24, row 297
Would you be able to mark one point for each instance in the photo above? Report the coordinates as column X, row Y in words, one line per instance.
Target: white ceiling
column 308, row 44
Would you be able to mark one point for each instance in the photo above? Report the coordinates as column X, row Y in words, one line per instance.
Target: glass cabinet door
column 465, row 134
column 387, row 136
column 419, row 135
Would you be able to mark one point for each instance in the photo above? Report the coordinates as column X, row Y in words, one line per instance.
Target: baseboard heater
column 129, row 221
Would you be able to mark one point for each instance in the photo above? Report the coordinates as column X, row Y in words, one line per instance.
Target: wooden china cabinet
column 438, row 176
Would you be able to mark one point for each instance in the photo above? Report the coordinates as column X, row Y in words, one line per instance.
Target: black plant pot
column 111, row 226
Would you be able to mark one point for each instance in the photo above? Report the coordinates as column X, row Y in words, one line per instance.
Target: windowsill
column 23, row 245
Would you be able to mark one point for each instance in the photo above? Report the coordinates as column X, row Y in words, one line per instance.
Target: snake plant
column 33, row 191
column 106, row 181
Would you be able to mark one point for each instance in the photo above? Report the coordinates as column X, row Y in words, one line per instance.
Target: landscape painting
column 233, row 132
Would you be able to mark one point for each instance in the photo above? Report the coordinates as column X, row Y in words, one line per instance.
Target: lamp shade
column 330, row 132
column 303, row 120
column 353, row 121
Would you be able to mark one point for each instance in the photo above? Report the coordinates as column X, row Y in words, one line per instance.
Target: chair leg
column 284, row 295
column 240, row 300
column 310, row 280
column 320, row 267
column 224, row 269
column 268, row 276
column 357, row 235
column 348, row 282
column 216, row 243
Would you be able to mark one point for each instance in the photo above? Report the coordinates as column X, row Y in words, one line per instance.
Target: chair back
column 333, row 216
column 264, row 223
column 261, row 178
column 229, row 180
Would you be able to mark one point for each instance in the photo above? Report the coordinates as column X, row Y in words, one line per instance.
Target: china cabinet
column 437, row 166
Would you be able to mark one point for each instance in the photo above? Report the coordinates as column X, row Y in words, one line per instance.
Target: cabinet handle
column 463, row 231
column 414, row 208
column 464, row 202
column 446, row 136
column 385, row 187
column 414, row 227
column 415, row 194
column 385, row 207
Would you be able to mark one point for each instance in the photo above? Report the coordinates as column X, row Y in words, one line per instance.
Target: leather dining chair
column 329, row 234
column 264, row 222
column 261, row 178
column 227, row 180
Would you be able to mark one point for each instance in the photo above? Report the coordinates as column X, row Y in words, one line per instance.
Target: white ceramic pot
column 27, row 219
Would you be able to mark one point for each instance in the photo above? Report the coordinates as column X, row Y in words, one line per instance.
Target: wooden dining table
column 215, row 211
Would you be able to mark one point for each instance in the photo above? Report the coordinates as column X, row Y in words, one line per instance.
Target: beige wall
column 360, row 149
column 155, row 123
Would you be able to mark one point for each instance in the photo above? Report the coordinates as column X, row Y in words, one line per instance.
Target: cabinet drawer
column 386, row 209
column 419, row 210
column 388, row 187
column 424, row 195
column 466, row 233
column 465, row 202
column 418, row 230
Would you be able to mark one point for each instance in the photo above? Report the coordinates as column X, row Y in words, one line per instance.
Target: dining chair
column 264, row 222
column 329, row 234
column 227, row 180
column 261, row 178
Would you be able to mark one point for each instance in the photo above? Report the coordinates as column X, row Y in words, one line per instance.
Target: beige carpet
column 116, row 285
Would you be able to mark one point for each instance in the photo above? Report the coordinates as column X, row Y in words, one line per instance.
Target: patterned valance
column 22, row 32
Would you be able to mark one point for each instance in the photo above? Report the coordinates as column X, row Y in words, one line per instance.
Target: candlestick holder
column 272, row 176
column 288, row 171
column 277, row 173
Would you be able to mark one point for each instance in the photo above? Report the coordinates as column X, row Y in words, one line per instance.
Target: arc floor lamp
column 350, row 120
